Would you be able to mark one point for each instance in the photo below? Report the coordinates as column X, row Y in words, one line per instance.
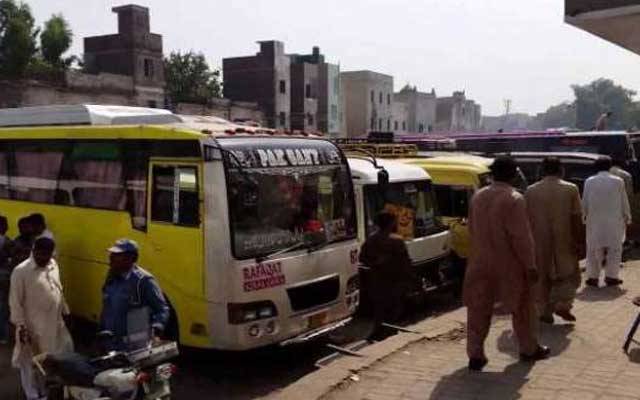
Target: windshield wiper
column 314, row 248
column 278, row 252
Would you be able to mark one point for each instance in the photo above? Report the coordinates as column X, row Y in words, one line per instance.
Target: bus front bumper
column 312, row 335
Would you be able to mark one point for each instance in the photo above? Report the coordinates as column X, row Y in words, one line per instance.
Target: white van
column 409, row 195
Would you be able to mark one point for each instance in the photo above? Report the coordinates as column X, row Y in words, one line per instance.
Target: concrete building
column 315, row 93
column 367, row 102
column 457, row 113
column 617, row 21
column 420, row 108
column 265, row 79
column 134, row 51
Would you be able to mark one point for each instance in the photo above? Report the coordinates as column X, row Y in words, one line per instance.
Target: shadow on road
column 591, row 294
column 484, row 385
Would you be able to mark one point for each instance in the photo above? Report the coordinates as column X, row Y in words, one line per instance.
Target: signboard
column 263, row 276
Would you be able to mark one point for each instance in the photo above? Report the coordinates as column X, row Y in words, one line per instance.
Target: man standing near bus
column 390, row 273
column 131, row 296
column 501, row 267
column 555, row 214
column 607, row 214
column 37, row 310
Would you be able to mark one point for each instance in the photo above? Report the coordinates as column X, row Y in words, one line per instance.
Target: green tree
column 55, row 40
column 560, row 116
column 17, row 38
column 601, row 96
column 190, row 79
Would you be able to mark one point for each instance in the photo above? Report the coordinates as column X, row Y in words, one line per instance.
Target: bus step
column 401, row 329
column 348, row 350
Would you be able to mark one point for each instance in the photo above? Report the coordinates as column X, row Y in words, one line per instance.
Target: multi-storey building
column 417, row 110
column 264, row 78
column 367, row 102
column 134, row 51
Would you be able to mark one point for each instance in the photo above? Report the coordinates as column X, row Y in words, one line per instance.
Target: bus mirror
column 383, row 179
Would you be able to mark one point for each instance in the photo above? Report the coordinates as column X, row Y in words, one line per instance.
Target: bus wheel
column 172, row 330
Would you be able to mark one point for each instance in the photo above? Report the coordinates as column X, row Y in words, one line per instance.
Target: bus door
column 174, row 250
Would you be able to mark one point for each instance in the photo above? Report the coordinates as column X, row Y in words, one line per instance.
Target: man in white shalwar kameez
column 37, row 308
column 607, row 214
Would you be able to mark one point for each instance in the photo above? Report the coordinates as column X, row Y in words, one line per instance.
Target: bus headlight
column 242, row 313
column 353, row 284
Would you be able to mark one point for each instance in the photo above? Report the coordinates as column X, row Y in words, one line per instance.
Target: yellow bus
column 251, row 233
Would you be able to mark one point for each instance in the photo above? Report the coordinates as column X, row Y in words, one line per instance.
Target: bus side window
column 175, row 195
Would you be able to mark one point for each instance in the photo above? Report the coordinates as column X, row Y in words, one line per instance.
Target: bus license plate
column 318, row 320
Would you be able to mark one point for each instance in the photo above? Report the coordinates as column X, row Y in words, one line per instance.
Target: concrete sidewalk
column 587, row 360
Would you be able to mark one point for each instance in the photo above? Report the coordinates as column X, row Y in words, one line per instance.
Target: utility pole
column 507, row 106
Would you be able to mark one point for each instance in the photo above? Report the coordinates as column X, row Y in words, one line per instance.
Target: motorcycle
column 142, row 374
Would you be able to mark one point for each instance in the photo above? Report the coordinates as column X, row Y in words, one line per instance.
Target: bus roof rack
column 85, row 115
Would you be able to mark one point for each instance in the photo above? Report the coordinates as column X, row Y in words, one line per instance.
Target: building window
column 373, row 96
column 283, row 87
column 395, row 125
column 389, row 99
column 380, row 124
column 148, row 68
column 380, row 96
column 334, row 112
column 404, row 125
column 307, row 91
column 389, row 124
column 283, row 118
column 421, row 128
column 310, row 119
column 373, row 124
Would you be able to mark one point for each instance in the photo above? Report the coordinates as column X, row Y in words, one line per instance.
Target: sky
column 494, row 49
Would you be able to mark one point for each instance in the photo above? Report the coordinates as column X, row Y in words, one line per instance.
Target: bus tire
column 172, row 330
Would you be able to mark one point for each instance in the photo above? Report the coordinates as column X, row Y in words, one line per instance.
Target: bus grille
column 314, row 294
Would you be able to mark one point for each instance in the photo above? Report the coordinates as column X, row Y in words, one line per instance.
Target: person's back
column 498, row 233
column 604, row 201
column 385, row 254
column 554, row 209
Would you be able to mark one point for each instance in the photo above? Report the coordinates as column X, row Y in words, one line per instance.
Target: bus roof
column 84, row 115
column 560, row 155
column 364, row 172
column 45, row 121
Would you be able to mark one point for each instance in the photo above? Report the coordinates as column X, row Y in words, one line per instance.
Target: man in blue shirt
column 133, row 305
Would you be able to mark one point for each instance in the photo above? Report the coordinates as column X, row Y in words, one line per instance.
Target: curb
column 323, row 381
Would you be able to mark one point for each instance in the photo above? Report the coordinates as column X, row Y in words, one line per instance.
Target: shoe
column 613, row 281
column 566, row 315
column 592, row 282
column 547, row 319
column 477, row 364
column 540, row 354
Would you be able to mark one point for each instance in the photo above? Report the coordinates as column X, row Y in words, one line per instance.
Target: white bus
column 408, row 195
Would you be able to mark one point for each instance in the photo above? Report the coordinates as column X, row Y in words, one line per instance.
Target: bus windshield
column 412, row 203
column 272, row 208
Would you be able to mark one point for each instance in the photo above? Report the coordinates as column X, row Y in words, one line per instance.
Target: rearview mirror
column 383, row 178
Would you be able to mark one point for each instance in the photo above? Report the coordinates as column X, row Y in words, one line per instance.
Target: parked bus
column 252, row 234
column 409, row 195
column 616, row 144
column 578, row 167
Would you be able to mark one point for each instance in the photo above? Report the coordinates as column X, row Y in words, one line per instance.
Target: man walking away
column 37, row 310
column 134, row 308
column 556, row 222
column 605, row 206
column 501, row 267
column 390, row 271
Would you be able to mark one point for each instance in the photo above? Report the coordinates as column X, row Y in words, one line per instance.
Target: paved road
column 587, row 361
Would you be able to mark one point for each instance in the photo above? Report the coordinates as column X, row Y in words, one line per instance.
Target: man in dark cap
column 501, row 267
column 133, row 303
